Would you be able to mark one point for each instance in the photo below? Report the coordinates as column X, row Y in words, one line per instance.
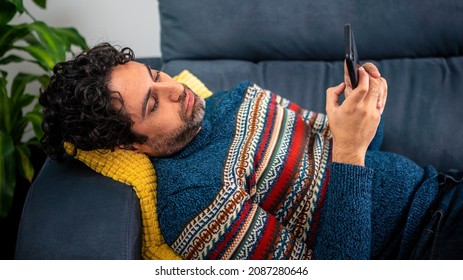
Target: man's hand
column 374, row 73
column 354, row 122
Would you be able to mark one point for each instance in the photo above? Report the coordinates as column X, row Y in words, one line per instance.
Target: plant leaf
column 18, row 101
column 7, row 12
column 20, row 82
column 35, row 118
column 19, row 5
column 43, row 58
column 72, row 37
column 24, row 165
column 34, row 142
column 31, row 39
column 44, row 80
column 25, row 100
column 49, row 40
column 41, row 3
column 7, row 173
column 10, row 59
column 9, row 34
column 5, row 107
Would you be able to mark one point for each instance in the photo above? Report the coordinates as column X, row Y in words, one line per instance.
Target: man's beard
column 170, row 144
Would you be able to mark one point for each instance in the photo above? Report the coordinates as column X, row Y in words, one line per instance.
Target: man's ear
column 128, row 147
column 137, row 147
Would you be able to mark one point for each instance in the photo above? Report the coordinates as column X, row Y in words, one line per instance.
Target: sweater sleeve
column 377, row 141
column 345, row 222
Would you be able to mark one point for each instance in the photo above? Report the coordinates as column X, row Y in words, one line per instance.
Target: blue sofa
column 294, row 48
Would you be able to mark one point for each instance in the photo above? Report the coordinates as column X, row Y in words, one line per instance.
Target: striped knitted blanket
column 273, row 181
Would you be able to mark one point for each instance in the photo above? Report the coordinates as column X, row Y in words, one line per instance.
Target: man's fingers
column 332, row 96
column 371, row 69
column 362, row 88
column 383, row 96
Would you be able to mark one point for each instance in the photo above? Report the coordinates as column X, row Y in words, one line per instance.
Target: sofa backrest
column 295, row 48
column 309, row 29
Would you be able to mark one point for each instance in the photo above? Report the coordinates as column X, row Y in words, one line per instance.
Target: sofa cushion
column 308, row 30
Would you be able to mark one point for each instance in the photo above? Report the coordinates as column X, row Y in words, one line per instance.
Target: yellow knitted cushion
column 136, row 170
column 194, row 83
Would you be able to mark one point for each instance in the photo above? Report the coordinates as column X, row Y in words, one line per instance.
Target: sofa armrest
column 71, row 212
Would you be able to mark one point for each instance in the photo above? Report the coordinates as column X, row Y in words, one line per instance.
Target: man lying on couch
column 246, row 174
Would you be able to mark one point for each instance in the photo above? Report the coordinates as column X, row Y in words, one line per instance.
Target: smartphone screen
column 352, row 59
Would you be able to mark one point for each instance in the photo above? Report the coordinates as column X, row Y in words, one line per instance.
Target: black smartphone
column 352, row 59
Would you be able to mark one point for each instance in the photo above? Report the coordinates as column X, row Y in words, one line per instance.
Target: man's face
column 167, row 112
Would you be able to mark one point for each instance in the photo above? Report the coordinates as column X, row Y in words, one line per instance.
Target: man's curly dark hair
column 79, row 107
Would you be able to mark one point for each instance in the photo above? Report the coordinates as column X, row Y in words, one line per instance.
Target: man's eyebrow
column 149, row 72
column 148, row 94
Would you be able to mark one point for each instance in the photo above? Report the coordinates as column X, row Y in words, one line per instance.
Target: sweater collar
column 201, row 140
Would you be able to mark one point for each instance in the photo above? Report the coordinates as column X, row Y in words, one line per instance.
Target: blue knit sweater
column 257, row 182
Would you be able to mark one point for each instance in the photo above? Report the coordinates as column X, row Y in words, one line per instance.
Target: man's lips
column 189, row 100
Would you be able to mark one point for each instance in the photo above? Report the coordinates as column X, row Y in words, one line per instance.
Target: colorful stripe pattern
column 274, row 180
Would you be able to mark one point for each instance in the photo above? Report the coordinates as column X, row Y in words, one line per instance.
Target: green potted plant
column 28, row 42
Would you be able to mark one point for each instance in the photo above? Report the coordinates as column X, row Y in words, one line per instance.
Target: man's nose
column 171, row 91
